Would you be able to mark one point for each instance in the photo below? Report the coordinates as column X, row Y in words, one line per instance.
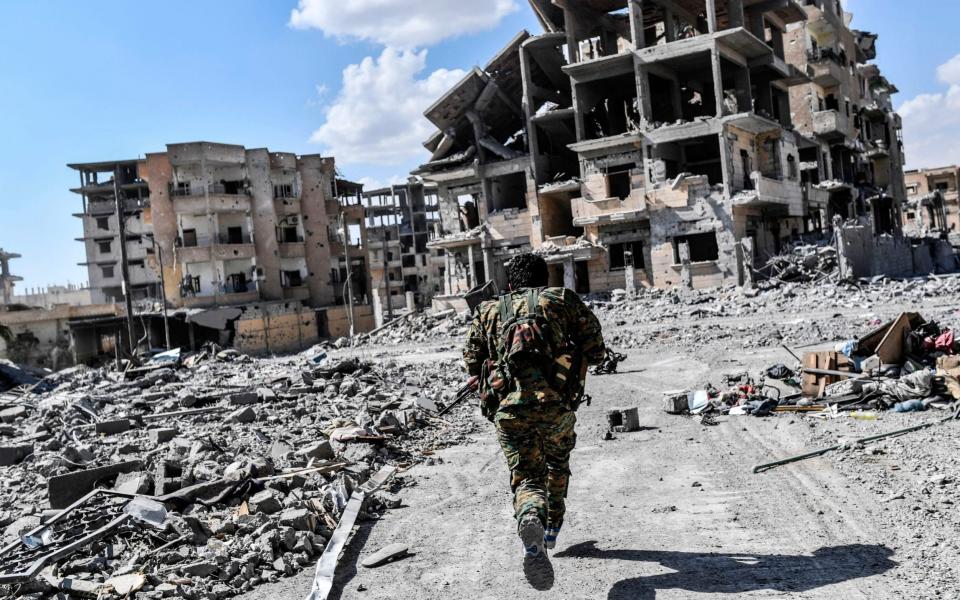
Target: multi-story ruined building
column 854, row 166
column 100, row 183
column 933, row 201
column 401, row 221
column 270, row 246
column 7, row 279
column 653, row 142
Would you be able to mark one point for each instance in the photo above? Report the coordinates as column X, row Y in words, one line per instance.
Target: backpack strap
column 533, row 302
column 504, row 311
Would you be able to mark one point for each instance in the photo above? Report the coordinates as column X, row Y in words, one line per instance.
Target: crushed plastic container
column 147, row 511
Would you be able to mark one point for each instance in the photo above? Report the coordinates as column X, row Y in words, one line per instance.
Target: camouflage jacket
column 572, row 319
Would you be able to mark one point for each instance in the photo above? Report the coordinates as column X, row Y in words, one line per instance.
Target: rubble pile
column 801, row 313
column 804, row 263
column 420, row 327
column 206, row 476
column 906, row 365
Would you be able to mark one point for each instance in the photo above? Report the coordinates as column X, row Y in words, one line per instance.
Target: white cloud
column 400, row 23
column 931, row 122
column 373, row 183
column 377, row 118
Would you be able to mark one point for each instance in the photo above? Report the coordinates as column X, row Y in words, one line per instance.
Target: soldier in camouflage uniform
column 534, row 421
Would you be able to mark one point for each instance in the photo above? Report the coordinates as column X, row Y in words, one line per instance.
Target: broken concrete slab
column 12, row 455
column 243, row 415
column 321, row 450
column 113, row 427
column 135, row 482
column 9, row 415
column 265, row 502
column 162, row 436
column 64, row 490
column 243, row 398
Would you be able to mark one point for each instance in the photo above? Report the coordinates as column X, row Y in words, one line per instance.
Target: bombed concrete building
column 262, row 250
column 106, row 221
column 7, row 279
column 854, row 168
column 662, row 143
column 933, row 201
column 401, row 222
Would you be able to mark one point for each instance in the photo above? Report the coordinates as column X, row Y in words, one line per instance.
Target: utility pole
column 124, row 271
column 163, row 291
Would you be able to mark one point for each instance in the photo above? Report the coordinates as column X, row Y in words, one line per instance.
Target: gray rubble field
column 227, row 475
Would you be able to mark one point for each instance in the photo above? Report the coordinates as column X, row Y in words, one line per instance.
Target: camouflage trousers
column 537, row 443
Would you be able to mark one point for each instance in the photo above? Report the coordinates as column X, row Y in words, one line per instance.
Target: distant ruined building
column 670, row 142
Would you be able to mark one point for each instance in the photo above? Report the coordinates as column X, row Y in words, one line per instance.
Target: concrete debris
column 905, row 365
column 225, row 501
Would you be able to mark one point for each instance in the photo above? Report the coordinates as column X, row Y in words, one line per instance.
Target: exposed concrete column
column 712, row 15
column 726, row 164
column 569, row 274
column 746, row 248
column 735, row 13
column 487, row 265
column 411, row 302
column 717, row 77
column 472, row 265
column 669, row 25
column 643, row 93
column 377, row 309
column 528, row 112
column 447, row 274
column 636, row 23
column 629, row 273
column 686, row 277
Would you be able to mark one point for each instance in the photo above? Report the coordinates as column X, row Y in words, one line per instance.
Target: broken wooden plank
column 327, row 565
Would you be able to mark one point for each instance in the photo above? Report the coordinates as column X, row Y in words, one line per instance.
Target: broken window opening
column 289, row 235
column 236, row 283
column 617, row 253
column 703, row 247
column 103, row 224
column 105, row 247
column 508, row 192
column 609, row 106
column 284, row 190
column 107, row 271
column 291, row 279
column 189, row 238
column 619, row 184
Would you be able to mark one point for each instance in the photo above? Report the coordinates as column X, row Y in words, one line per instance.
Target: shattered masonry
column 933, row 203
column 7, row 279
column 690, row 138
column 257, row 248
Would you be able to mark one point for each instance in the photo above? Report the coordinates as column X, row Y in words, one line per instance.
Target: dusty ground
column 673, row 511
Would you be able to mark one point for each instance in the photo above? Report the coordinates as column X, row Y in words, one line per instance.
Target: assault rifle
column 462, row 394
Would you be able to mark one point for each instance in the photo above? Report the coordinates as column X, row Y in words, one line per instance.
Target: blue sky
column 113, row 79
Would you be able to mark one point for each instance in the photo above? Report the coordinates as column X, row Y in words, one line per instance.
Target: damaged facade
column 933, row 203
column 663, row 143
column 401, row 221
column 262, row 250
column 100, row 184
column 7, row 279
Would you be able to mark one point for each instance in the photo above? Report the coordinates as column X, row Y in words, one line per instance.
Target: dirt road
column 672, row 511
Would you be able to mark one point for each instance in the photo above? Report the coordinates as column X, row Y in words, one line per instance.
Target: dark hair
column 527, row 271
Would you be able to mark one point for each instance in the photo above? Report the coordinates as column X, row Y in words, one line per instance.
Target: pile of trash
column 906, row 365
column 204, row 475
